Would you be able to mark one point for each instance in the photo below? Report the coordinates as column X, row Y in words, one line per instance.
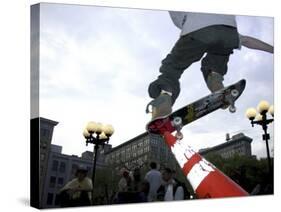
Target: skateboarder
column 213, row 34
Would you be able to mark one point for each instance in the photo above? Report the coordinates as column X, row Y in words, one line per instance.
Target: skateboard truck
column 231, row 100
column 177, row 124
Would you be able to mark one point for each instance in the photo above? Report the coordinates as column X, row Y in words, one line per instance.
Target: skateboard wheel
column 179, row 135
column 234, row 93
column 232, row 109
column 177, row 121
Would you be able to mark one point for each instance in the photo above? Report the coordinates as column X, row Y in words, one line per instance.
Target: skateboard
column 187, row 114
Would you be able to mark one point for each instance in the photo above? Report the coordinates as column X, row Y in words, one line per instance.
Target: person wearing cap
column 78, row 190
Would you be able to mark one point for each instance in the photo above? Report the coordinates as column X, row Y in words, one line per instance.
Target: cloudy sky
column 96, row 64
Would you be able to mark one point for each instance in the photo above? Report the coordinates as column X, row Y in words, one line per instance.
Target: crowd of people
column 132, row 188
column 155, row 186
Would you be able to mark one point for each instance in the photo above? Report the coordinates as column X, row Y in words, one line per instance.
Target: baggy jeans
column 216, row 41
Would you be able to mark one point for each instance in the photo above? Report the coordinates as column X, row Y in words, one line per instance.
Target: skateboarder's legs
column 214, row 65
column 217, row 41
column 219, row 50
column 186, row 51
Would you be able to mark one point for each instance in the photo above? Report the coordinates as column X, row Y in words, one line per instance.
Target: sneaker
column 214, row 82
column 161, row 106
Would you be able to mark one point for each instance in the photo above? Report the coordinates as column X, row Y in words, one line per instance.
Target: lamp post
column 97, row 134
column 261, row 119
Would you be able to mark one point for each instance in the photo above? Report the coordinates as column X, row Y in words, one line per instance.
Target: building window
column 145, row 158
column 50, row 198
column 41, row 170
column 62, row 167
column 145, row 142
column 42, row 156
column 89, row 169
column 55, row 165
column 146, row 149
column 43, row 145
column 154, row 150
column 57, row 201
column 117, row 155
column 60, row 181
column 140, row 151
column 52, row 182
column 45, row 133
column 74, row 168
column 122, row 157
column 107, row 160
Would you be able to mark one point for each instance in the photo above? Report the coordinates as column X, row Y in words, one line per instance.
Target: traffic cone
column 206, row 180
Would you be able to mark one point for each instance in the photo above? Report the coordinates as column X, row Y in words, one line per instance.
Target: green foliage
column 106, row 182
column 246, row 171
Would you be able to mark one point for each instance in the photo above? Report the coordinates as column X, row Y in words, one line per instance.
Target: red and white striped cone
column 206, row 180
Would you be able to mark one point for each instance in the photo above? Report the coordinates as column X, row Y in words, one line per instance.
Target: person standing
column 169, row 190
column 153, row 177
column 125, row 188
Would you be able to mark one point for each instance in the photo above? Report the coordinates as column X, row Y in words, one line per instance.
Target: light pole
column 97, row 134
column 261, row 119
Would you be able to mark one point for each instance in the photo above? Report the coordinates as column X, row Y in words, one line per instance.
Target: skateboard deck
column 187, row 114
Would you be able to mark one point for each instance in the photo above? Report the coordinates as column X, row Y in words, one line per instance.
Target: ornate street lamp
column 261, row 119
column 97, row 134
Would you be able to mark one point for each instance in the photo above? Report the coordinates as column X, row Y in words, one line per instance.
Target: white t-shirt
column 155, row 180
column 189, row 22
column 122, row 185
column 85, row 184
column 179, row 193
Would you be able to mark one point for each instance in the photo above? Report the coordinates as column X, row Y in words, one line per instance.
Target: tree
column 248, row 172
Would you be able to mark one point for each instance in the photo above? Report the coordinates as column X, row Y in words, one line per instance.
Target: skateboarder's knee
column 154, row 90
column 158, row 85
